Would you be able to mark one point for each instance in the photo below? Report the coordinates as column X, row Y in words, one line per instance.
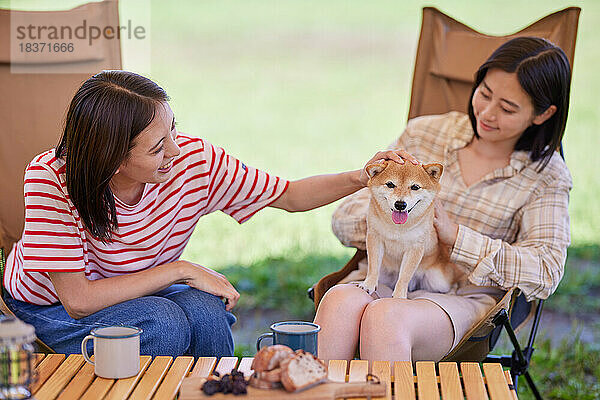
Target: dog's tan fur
column 406, row 254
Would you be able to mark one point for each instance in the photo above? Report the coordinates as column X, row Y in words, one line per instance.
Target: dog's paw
column 367, row 286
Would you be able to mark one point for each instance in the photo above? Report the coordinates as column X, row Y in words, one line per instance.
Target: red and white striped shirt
column 152, row 232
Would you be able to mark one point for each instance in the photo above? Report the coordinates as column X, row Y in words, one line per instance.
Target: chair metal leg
column 520, row 359
column 521, row 362
column 532, row 386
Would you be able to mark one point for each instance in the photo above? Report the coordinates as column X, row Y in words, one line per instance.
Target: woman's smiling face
column 151, row 158
column 502, row 108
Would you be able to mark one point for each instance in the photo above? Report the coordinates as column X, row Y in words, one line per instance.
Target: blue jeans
column 175, row 321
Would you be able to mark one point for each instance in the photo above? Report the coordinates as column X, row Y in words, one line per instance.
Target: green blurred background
column 306, row 87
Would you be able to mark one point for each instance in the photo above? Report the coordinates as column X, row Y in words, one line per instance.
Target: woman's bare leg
column 339, row 315
column 405, row 330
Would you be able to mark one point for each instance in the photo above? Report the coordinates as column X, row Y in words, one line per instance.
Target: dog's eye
column 390, row 185
column 415, row 187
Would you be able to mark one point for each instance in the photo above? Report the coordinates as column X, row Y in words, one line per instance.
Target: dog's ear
column 375, row 168
column 434, row 170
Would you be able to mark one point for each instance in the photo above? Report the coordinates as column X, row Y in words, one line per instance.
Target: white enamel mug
column 116, row 351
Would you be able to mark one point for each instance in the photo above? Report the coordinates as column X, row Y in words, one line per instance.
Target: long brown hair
column 544, row 73
column 105, row 116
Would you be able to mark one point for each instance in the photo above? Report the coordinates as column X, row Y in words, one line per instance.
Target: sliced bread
column 302, row 371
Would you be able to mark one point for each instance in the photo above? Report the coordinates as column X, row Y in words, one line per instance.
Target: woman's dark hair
column 105, row 116
column 545, row 75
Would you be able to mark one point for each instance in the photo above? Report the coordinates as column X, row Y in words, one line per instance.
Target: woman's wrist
column 181, row 270
column 359, row 178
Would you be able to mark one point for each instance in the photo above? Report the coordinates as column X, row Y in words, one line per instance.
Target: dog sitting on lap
column 402, row 244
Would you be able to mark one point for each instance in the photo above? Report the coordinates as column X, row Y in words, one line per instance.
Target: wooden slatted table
column 70, row 377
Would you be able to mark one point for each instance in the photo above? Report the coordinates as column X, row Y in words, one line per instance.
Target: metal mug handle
column 261, row 337
column 84, row 349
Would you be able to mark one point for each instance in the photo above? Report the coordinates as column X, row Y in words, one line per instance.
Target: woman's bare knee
column 405, row 330
column 381, row 312
column 345, row 296
column 384, row 331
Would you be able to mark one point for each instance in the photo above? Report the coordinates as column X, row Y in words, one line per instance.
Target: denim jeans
column 175, row 321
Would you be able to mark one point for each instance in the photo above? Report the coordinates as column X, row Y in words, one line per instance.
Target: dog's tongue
column 399, row 217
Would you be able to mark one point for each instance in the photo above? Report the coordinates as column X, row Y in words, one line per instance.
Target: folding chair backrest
column 450, row 52
column 33, row 105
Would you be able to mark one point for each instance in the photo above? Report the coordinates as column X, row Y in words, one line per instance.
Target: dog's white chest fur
column 396, row 242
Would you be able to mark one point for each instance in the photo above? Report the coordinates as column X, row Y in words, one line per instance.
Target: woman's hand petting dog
column 447, row 230
column 395, row 155
column 210, row 281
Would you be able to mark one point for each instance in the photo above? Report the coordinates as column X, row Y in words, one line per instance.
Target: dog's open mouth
column 400, row 217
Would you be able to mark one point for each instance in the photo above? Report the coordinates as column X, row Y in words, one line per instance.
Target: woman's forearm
column 316, row 191
column 82, row 297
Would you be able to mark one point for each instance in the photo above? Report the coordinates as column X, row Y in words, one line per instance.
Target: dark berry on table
column 211, row 387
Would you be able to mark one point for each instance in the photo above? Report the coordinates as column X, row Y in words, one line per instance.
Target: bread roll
column 269, row 358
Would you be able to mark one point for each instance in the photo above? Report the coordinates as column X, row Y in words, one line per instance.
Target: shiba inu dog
column 402, row 243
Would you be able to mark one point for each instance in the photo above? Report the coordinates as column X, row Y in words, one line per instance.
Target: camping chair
column 34, row 104
column 448, row 55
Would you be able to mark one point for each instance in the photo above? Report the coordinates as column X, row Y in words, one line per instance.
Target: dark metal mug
column 294, row 334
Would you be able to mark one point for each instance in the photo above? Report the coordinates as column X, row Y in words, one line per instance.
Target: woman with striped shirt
column 108, row 214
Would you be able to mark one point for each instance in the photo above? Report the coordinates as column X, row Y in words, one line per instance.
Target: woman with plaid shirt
column 503, row 212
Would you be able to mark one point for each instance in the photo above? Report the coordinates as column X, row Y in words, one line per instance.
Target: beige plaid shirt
column 513, row 223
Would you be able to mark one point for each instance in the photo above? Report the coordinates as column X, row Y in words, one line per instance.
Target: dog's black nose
column 400, row 205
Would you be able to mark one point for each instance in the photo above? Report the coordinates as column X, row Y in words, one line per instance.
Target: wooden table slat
column 473, row 381
column 427, row 385
column 38, row 357
column 45, row 369
column 79, row 383
column 496, row 382
column 170, row 384
column 509, row 381
column 245, row 366
column 60, row 378
column 404, row 382
column 98, row 389
column 450, row 382
column 204, row 366
column 358, row 372
column 337, row 370
column 381, row 369
column 152, row 378
column 226, row 364
column 123, row 387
